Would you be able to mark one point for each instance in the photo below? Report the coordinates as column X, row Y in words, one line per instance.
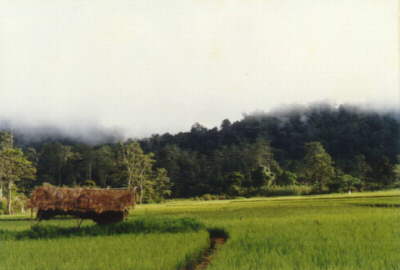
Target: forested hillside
column 316, row 149
column 272, row 149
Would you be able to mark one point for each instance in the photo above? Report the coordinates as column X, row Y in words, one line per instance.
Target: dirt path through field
column 215, row 243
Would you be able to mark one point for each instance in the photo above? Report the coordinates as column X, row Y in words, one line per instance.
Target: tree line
column 314, row 149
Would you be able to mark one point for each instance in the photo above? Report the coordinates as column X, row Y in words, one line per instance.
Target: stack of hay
column 81, row 202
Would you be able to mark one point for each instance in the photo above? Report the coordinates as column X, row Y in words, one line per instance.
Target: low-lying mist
column 93, row 133
column 88, row 133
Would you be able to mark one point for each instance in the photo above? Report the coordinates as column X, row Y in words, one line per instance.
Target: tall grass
column 314, row 238
column 315, row 232
column 286, row 190
column 155, row 251
column 140, row 243
column 138, row 225
column 342, row 232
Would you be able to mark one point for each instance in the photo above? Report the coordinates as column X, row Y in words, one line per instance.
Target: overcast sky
column 152, row 66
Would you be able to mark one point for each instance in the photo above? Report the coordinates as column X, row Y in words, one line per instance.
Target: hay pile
column 83, row 200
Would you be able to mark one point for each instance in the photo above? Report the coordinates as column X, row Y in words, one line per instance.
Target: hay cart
column 103, row 206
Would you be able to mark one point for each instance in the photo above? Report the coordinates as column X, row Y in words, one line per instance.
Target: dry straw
column 81, row 199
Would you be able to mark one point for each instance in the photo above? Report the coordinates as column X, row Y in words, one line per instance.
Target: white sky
column 155, row 66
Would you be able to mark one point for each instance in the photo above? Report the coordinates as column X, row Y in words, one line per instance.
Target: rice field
column 339, row 231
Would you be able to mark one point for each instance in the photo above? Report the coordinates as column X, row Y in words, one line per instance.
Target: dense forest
column 315, row 149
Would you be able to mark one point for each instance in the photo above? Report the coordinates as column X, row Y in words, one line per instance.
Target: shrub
column 89, row 183
column 3, row 204
column 208, row 197
column 138, row 225
column 345, row 183
column 218, row 232
column 286, row 190
column 18, row 204
column 396, row 184
column 212, row 197
column 287, row 178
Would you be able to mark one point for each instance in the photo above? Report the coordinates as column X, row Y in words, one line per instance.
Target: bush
column 137, row 225
column 286, row 190
column 213, row 197
column 208, row 197
column 287, row 178
column 18, row 204
column 89, row 183
column 3, row 204
column 396, row 184
column 218, row 232
column 345, row 183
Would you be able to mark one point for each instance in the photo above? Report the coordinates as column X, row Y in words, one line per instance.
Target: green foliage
column 396, row 171
column 264, row 148
column 287, row 178
column 14, row 167
column 199, row 161
column 263, row 175
column 317, row 166
column 3, row 206
column 89, row 183
column 160, row 186
column 6, row 140
column 211, row 197
column 154, row 185
column 218, row 232
column 58, row 161
column 286, row 190
column 360, row 168
column 137, row 164
column 234, row 181
column 345, row 183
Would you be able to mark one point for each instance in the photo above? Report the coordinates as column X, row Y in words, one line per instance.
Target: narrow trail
column 216, row 241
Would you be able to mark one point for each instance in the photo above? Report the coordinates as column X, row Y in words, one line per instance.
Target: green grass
column 336, row 231
column 137, row 251
column 318, row 237
column 140, row 243
column 138, row 225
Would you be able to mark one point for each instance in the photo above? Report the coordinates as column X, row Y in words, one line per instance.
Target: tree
column 14, row 166
column 138, row 166
column 348, row 182
column 105, row 166
column 226, row 124
column 234, row 181
column 161, row 185
column 383, row 171
column 55, row 163
column 6, row 141
column 262, row 176
column 396, row 172
column 184, row 168
column 317, row 165
column 360, row 167
column 287, row 178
